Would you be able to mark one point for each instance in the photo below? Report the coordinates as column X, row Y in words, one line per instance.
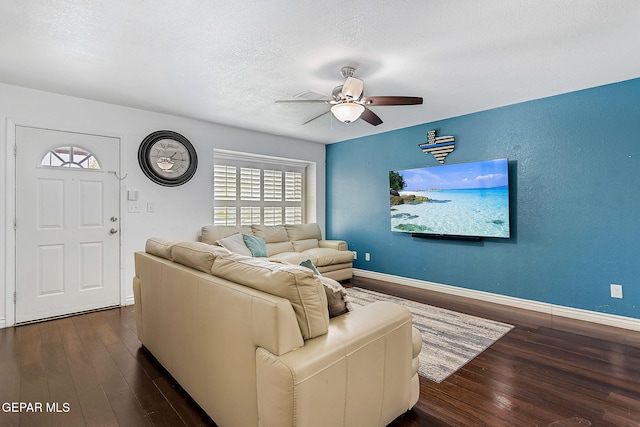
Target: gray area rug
column 449, row 339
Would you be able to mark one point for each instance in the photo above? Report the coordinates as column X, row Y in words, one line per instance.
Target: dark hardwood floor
column 90, row 370
column 548, row 371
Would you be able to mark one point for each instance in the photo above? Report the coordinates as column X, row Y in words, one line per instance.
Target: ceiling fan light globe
column 347, row 112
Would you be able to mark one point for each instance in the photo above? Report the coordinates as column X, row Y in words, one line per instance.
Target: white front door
column 67, row 223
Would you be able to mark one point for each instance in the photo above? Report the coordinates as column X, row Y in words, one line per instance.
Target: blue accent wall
column 574, row 191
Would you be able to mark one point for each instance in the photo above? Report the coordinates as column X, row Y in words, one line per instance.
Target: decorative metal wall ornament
column 439, row 146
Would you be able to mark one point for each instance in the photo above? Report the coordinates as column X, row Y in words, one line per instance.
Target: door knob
column 113, row 231
column 113, row 219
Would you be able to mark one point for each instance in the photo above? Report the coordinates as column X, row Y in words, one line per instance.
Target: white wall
column 179, row 211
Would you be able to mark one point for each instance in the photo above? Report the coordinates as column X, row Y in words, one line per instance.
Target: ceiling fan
column 348, row 102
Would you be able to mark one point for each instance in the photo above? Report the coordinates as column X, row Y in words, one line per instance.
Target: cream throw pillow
column 235, row 243
column 337, row 301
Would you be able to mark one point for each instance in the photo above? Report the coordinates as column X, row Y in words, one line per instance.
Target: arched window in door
column 70, row 157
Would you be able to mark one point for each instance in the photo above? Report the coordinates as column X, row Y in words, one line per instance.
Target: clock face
column 167, row 158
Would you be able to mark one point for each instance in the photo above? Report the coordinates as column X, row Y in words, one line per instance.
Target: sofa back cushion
column 159, row 247
column 303, row 245
column 197, row 255
column 293, row 282
column 304, row 231
column 270, row 233
column 278, row 248
column 211, row 233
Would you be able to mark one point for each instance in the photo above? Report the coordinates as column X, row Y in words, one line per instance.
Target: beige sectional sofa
column 293, row 244
column 252, row 342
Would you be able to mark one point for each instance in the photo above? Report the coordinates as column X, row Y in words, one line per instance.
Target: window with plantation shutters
column 253, row 190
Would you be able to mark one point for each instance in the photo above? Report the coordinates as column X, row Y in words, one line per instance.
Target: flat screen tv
column 466, row 200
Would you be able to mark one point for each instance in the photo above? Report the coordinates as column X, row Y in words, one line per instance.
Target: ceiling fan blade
column 303, row 101
column 370, row 117
column 352, row 88
column 317, row 117
column 391, row 100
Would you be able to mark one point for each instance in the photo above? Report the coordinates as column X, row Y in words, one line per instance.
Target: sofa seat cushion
column 290, row 257
column 326, row 256
column 298, row 284
column 334, row 267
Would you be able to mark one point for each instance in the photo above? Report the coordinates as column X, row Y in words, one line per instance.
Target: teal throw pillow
column 307, row 263
column 256, row 245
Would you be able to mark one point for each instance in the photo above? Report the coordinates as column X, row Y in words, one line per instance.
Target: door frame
column 11, row 201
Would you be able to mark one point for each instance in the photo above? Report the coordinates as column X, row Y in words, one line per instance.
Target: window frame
column 87, row 157
column 290, row 207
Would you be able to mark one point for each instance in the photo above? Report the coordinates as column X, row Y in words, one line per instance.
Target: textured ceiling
column 228, row 62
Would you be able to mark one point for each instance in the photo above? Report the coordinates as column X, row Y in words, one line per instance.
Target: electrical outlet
column 367, row 257
column 355, row 255
column 616, row 291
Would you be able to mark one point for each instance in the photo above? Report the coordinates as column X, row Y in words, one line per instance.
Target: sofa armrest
column 274, row 325
column 340, row 245
column 359, row 373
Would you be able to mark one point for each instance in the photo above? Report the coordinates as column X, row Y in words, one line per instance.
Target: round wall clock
column 167, row 158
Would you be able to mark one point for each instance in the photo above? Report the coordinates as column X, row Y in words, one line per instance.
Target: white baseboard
column 541, row 307
column 3, row 322
column 129, row 301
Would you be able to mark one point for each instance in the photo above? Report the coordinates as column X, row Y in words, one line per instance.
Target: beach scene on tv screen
column 466, row 199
